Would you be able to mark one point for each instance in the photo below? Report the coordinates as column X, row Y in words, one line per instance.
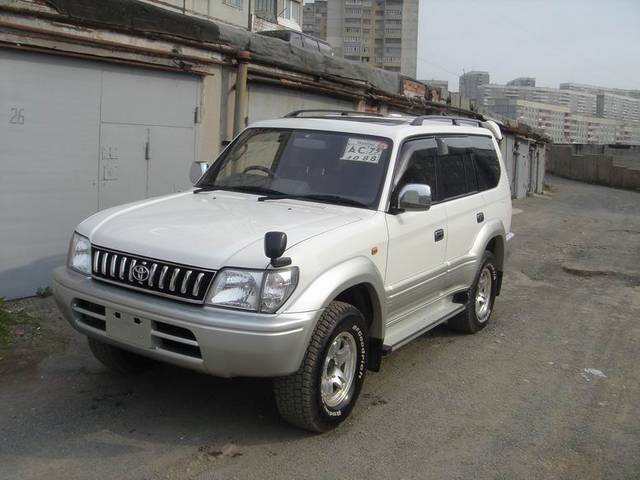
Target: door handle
column 480, row 217
column 438, row 235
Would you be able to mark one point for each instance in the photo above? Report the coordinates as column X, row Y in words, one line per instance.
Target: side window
column 452, row 176
column 487, row 164
column 466, row 164
column 418, row 165
column 470, row 173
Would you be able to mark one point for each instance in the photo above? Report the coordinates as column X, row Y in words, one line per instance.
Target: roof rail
column 342, row 113
column 453, row 120
column 490, row 125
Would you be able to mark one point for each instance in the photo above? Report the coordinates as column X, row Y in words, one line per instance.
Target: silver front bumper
column 217, row 341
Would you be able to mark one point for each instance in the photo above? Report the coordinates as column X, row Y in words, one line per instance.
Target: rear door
column 464, row 205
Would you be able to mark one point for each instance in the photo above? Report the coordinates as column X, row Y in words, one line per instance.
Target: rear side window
column 487, row 164
column 466, row 164
column 452, row 176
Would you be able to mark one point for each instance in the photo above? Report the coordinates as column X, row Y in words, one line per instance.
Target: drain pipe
column 242, row 92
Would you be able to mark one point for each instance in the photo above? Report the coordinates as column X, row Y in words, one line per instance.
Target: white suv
column 314, row 245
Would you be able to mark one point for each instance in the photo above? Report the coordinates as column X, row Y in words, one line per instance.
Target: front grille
column 158, row 277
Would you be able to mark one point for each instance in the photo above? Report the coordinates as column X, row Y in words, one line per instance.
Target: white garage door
column 78, row 136
column 266, row 102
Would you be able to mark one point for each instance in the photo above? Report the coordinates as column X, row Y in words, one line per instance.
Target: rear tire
column 322, row 393
column 117, row 359
column 482, row 296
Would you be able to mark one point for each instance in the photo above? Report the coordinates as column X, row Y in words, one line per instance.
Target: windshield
column 318, row 165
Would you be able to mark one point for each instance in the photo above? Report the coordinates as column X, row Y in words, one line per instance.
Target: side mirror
column 197, row 170
column 275, row 243
column 414, row 196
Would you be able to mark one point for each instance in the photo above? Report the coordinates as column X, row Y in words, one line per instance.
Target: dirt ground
column 549, row 390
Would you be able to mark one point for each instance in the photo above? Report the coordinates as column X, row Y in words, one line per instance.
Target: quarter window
column 487, row 164
column 474, row 156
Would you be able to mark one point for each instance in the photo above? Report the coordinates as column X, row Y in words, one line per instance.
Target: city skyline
column 578, row 41
column 575, row 41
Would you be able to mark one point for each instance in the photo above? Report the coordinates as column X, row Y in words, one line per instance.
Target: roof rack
column 342, row 113
column 453, row 120
column 490, row 125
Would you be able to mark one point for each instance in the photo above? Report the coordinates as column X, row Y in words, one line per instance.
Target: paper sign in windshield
column 360, row 150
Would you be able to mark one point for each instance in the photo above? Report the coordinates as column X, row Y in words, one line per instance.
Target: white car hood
column 213, row 229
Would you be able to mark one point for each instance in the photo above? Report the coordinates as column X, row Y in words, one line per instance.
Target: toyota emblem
column 140, row 273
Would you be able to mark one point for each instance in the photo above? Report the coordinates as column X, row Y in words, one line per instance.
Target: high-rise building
column 470, row 83
column 383, row 33
column 314, row 19
column 522, row 82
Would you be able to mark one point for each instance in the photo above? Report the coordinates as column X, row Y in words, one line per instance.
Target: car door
column 417, row 239
column 464, row 206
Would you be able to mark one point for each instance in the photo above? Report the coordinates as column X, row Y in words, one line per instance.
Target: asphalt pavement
column 549, row 390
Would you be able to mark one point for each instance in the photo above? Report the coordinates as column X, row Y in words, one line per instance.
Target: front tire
column 482, row 296
column 324, row 390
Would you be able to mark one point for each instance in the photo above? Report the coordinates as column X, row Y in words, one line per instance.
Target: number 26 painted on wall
column 16, row 117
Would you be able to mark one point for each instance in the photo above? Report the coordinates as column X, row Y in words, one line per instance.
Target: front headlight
column 277, row 287
column 80, row 254
column 254, row 290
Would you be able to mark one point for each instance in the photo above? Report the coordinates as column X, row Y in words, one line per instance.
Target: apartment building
column 563, row 125
column 549, row 119
column 577, row 87
column 470, row 83
column 383, row 33
column 522, row 82
column 619, row 107
column 575, row 101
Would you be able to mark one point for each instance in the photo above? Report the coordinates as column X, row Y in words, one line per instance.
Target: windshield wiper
column 317, row 197
column 239, row 188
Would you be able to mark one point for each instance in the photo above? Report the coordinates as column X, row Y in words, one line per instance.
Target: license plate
column 128, row 328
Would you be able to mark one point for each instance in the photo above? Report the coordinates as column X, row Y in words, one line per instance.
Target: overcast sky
column 583, row 41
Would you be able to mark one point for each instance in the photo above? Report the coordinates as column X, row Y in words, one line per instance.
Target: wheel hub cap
column 338, row 371
column 483, row 295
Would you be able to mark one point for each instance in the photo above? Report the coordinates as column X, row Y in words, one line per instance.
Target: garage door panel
column 52, row 156
column 266, row 102
column 48, row 163
column 171, row 154
column 123, row 164
column 148, row 98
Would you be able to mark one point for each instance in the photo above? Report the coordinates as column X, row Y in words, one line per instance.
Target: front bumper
column 221, row 342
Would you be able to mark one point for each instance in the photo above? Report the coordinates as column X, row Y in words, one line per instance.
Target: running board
column 420, row 323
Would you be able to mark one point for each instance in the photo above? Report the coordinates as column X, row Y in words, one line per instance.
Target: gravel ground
column 550, row 389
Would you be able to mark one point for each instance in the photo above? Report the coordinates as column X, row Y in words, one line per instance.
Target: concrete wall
column 605, row 165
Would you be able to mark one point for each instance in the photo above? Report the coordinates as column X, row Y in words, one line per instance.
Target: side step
column 420, row 322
